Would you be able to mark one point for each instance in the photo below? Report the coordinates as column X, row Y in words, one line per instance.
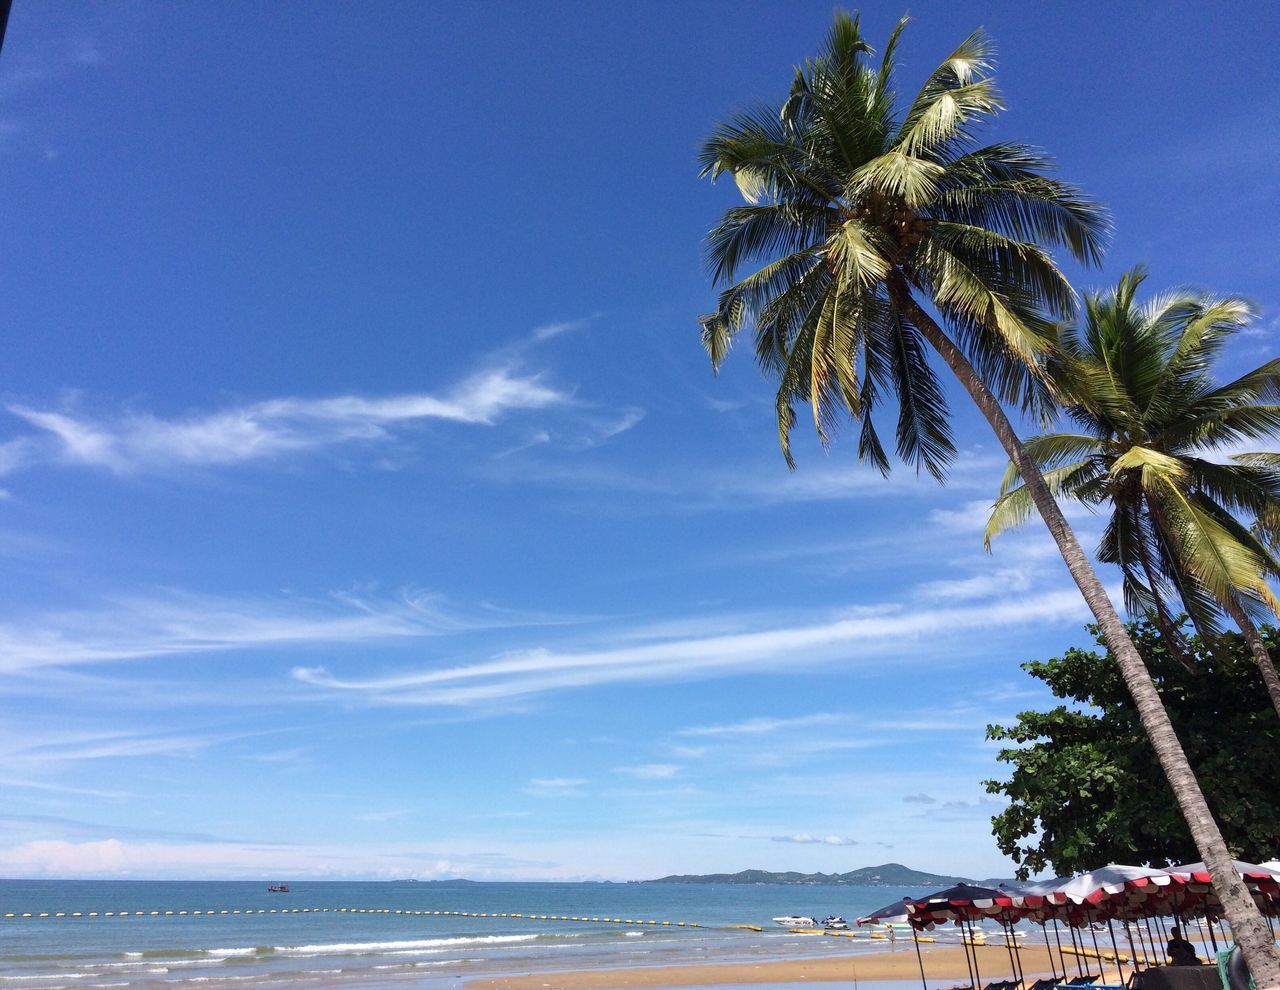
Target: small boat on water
column 277, row 888
column 795, row 921
column 833, row 922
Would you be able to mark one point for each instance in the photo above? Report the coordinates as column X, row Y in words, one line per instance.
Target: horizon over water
column 304, row 938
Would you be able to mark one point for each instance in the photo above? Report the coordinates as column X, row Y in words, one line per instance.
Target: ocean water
column 246, row 937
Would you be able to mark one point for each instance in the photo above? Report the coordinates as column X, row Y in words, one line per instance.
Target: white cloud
column 555, row 786
column 763, row 726
column 378, row 817
column 272, row 428
column 113, row 857
column 650, row 771
column 15, row 454
column 549, row 330
column 535, row 670
column 1004, row 580
column 804, row 838
column 628, row 419
column 176, row 623
column 54, row 749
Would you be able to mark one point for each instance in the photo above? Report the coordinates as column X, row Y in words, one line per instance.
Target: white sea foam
column 364, row 948
column 228, row 953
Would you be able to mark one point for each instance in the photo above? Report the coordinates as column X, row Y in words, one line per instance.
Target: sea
column 175, row 935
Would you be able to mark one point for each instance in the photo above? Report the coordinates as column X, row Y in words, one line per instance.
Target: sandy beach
column 940, row 963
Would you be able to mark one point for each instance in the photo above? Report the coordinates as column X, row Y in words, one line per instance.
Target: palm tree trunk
column 1259, row 650
column 1250, row 931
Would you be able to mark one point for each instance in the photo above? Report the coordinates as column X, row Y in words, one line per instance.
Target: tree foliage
column 1156, row 432
column 859, row 203
column 1086, row 788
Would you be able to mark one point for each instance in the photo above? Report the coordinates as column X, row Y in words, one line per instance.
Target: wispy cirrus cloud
column 555, row 786
column 525, row 673
column 548, row 331
column 764, row 726
column 650, row 771
column 123, row 857
column 54, row 749
column 269, row 429
column 174, row 623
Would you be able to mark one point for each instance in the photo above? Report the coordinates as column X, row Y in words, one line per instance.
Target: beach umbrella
column 962, row 902
column 1117, row 891
column 1258, row 874
column 1262, row 881
column 890, row 914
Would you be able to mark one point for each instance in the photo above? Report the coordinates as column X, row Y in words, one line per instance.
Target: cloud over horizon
column 139, row 442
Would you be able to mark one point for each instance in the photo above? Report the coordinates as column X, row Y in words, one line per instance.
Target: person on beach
column 1180, row 951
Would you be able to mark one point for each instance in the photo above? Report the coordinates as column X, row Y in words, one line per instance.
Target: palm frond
column 752, row 233
column 897, row 176
column 1004, row 187
column 1157, row 467
column 961, row 287
column 924, row 436
column 1015, row 504
column 924, row 129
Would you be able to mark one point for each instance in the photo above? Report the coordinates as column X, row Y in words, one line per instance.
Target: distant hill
column 888, row 875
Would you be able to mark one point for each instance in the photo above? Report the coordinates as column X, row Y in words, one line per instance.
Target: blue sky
column 368, row 508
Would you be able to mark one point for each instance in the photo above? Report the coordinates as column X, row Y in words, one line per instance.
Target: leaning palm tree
column 1136, row 381
column 866, row 218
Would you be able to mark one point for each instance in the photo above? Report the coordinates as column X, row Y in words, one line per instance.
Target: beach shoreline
column 899, row 965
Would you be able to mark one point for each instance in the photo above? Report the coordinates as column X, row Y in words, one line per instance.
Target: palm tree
column 1135, row 380
column 861, row 216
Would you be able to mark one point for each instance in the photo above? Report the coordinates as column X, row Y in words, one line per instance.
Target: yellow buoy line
column 1108, row 956
column 221, row 912
column 839, row 933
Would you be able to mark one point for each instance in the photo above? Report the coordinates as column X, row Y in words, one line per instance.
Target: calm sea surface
column 290, row 940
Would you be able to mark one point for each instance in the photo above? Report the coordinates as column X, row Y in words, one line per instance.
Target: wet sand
column 940, row 963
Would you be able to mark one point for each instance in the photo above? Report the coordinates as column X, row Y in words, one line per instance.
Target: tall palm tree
column 861, row 215
column 1136, row 381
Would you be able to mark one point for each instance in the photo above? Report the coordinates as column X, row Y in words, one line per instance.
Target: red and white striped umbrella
column 1262, row 881
column 1114, row 891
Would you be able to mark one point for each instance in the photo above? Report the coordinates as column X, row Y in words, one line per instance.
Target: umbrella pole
column 1204, row 942
column 1115, row 949
column 1077, row 948
column 1154, row 950
column 1059, row 940
column 1148, row 945
column 1044, row 934
column 1008, row 945
column 977, row 972
column 1142, row 945
column 1097, row 949
column 966, row 946
column 919, row 958
column 1017, row 957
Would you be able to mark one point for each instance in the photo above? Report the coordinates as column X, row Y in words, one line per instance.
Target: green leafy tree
column 1086, row 787
column 866, row 215
column 1136, row 381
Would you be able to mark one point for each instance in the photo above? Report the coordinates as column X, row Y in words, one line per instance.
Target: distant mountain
column 888, row 875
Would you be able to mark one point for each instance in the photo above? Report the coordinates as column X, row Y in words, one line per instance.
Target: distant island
column 888, row 875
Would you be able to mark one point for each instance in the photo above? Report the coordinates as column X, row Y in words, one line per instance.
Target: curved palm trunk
column 1250, row 931
column 1259, row 650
